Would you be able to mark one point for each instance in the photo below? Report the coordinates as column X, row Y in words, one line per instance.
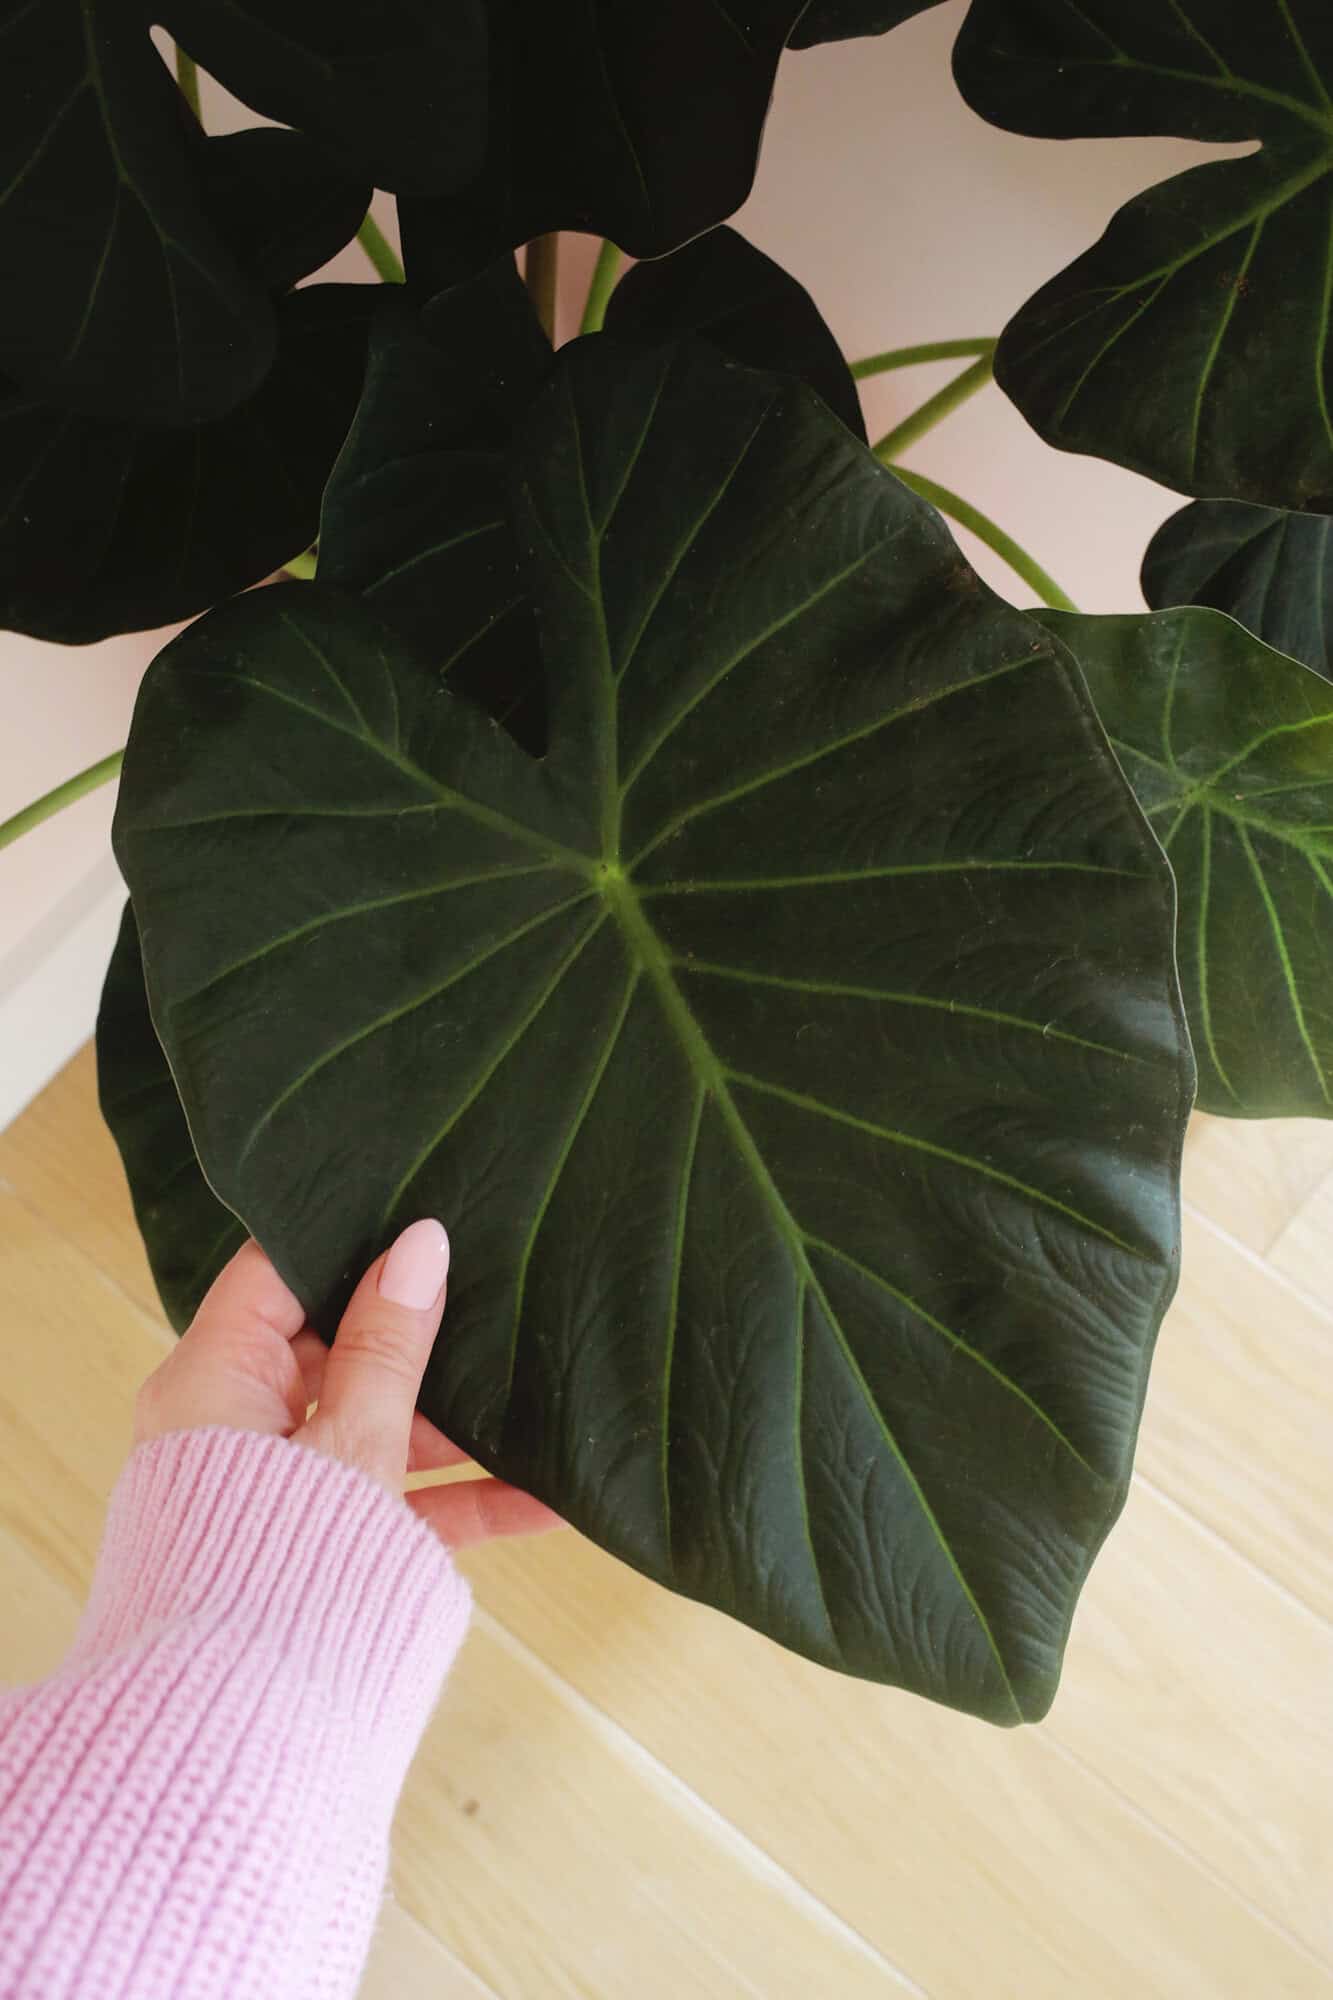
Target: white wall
column 908, row 219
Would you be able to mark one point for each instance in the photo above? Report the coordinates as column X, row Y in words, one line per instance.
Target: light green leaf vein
column 914, row 1144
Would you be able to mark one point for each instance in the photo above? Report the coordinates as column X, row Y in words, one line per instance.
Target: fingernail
column 415, row 1269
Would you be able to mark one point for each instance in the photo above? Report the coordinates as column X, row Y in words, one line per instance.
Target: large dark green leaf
column 840, row 20
column 1271, row 570
column 275, row 198
column 1229, row 746
column 108, row 527
column 399, row 90
column 723, row 289
column 1192, row 342
column 641, row 123
column 794, row 1052
column 121, row 296
column 416, row 514
column 188, row 1233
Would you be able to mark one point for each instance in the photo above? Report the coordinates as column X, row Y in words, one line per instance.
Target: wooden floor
column 626, row 1796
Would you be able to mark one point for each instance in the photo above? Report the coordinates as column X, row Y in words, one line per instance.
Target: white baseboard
column 50, row 984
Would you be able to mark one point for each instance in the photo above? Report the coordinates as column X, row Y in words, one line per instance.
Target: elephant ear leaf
column 840, row 20
column 639, row 123
column 187, row 1232
column 1229, row 746
column 107, row 525
column 1270, row 570
column 143, row 313
column 794, row 1051
column 730, row 294
column 113, row 527
column 1192, row 342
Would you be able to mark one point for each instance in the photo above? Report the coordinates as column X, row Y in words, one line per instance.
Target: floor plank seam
column 756, row 1857
column 153, row 1321
column 1309, row 1300
column 1220, row 1541
column 484, row 1990
column 1187, row 1853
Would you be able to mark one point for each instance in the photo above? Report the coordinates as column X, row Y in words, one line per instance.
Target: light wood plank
column 407, row 1963
column 901, row 1816
column 1251, row 1175
column 59, row 1155
column 1205, row 1694
column 541, row 1845
column 1303, row 1250
column 73, row 1350
column 1238, row 1425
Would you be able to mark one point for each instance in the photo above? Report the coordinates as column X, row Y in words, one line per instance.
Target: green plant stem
column 989, row 532
column 64, row 795
column 303, row 566
column 187, row 76
column 541, row 262
column 600, row 287
column 380, row 251
column 908, row 357
column 935, row 409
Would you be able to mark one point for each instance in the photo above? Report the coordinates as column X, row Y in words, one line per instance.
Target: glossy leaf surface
column 733, row 296
column 1193, row 341
column 187, row 1232
column 112, row 527
column 1270, row 570
column 794, row 1052
column 641, row 123
column 122, row 297
column 1229, row 746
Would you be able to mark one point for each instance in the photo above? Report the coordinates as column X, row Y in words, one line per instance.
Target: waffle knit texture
column 197, row 1803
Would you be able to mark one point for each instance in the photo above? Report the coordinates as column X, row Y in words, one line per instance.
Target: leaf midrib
column 645, row 948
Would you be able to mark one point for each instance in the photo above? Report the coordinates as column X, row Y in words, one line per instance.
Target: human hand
column 249, row 1361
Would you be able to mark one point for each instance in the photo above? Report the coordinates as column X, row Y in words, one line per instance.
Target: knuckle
column 378, row 1341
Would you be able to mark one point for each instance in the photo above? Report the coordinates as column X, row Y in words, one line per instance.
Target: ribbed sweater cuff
column 324, row 1568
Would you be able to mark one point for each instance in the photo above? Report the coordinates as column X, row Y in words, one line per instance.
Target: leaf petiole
column 380, row 251
column 600, row 287
column 187, row 76
column 909, row 357
column 65, row 794
column 935, row 409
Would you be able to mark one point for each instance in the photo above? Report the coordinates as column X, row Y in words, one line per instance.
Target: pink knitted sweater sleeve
column 197, row 1803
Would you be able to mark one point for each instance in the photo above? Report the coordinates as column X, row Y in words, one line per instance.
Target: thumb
column 374, row 1370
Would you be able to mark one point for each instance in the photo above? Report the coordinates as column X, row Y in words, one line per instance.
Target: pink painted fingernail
column 415, row 1269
